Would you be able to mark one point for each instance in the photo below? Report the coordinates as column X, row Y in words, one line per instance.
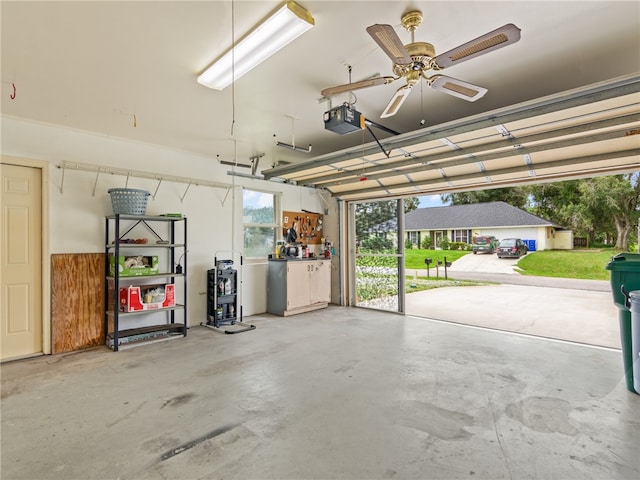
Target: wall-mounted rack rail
column 160, row 177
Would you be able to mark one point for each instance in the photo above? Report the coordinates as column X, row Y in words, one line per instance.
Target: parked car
column 484, row 244
column 511, row 247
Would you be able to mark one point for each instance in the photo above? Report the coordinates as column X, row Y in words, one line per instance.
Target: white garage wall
column 214, row 222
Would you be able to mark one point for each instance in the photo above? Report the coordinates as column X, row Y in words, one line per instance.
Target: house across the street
column 461, row 223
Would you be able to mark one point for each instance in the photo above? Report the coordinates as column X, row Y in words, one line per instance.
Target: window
column 414, row 237
column 260, row 215
column 461, row 236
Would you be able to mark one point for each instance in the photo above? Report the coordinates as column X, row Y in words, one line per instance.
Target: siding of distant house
column 497, row 219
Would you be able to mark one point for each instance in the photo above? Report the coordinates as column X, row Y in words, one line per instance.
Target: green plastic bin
column 625, row 274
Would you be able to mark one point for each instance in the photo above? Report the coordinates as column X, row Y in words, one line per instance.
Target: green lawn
column 414, row 258
column 422, row 283
column 587, row 264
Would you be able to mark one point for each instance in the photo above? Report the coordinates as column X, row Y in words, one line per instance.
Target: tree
column 411, row 204
column 616, row 197
column 561, row 202
column 377, row 214
column 374, row 220
column 516, row 196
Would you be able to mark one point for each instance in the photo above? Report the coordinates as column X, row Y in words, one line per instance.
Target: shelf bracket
column 157, row 187
column 185, row 192
column 95, row 183
column 62, row 179
column 225, row 196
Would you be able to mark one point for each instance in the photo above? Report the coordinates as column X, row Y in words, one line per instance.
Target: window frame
column 461, row 235
column 276, row 226
column 414, row 237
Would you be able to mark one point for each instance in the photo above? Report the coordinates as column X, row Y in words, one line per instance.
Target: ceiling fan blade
column 348, row 87
column 396, row 101
column 457, row 88
column 387, row 38
column 500, row 37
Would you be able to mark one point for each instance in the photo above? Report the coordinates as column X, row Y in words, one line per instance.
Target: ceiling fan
column 414, row 60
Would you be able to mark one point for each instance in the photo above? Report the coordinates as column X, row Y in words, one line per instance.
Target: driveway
column 582, row 316
column 574, row 310
column 484, row 262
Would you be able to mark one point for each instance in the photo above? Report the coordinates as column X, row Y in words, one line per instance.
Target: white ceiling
column 95, row 65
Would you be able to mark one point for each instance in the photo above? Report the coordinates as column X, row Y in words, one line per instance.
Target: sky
column 430, row 201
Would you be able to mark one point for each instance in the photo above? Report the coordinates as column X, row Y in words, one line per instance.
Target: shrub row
column 444, row 245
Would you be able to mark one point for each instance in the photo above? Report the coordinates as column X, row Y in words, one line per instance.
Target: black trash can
column 625, row 277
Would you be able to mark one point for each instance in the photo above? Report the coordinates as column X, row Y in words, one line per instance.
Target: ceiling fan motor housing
column 421, row 54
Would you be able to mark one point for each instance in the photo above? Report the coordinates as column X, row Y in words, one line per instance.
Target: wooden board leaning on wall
column 77, row 301
column 308, row 226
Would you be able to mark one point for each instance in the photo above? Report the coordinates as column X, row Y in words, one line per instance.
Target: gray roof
column 472, row 215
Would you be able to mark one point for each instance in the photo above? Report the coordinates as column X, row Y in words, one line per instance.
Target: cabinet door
column 320, row 282
column 297, row 284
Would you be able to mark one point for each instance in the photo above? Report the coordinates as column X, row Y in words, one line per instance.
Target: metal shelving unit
column 173, row 240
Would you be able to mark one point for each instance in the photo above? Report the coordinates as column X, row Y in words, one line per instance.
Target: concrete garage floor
column 339, row 393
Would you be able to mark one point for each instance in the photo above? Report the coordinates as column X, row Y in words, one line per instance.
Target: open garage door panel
column 588, row 132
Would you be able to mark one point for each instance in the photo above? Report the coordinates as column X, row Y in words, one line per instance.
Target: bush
column 407, row 244
column 426, row 243
column 459, row 246
column 376, row 244
column 444, row 243
column 602, row 245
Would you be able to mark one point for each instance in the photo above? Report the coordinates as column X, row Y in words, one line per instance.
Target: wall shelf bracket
column 225, row 196
column 157, row 187
column 95, row 183
column 185, row 192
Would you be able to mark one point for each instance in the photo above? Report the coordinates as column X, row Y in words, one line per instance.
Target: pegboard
column 308, row 226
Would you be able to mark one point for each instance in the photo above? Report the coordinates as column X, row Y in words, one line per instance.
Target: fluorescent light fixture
column 284, row 26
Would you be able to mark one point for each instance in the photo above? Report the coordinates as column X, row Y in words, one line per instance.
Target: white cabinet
column 297, row 286
column 320, row 282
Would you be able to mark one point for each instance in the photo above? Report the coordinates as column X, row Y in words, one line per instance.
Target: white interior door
column 21, row 261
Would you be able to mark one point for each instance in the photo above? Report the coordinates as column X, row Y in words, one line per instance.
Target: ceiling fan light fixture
column 412, row 61
column 284, row 26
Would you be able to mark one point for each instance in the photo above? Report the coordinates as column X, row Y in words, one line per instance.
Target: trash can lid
column 624, row 262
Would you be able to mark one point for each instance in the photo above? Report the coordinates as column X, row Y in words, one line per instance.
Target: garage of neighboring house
column 462, row 223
